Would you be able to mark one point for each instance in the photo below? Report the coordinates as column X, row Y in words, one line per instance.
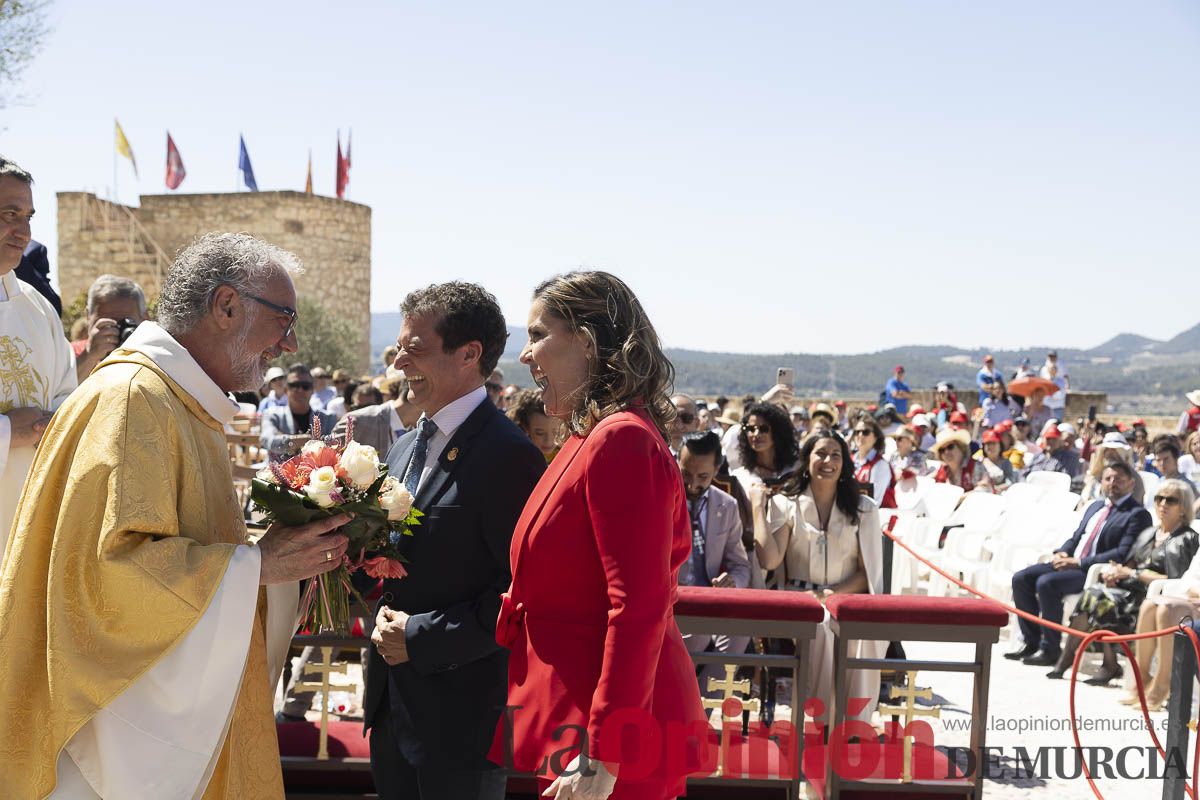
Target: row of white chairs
column 988, row 537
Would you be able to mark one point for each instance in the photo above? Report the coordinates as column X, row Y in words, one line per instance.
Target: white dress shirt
column 448, row 420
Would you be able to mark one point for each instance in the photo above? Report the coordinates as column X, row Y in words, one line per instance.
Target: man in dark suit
column 436, row 678
column 1106, row 533
column 34, row 269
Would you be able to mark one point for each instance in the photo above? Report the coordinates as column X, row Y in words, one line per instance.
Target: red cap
column 1122, row 427
column 840, row 404
column 898, row 368
column 872, row 408
column 1138, row 423
column 1052, row 433
column 991, row 436
column 958, row 418
column 1006, row 425
column 914, row 409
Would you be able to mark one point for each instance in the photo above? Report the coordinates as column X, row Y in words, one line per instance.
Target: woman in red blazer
column 597, row 663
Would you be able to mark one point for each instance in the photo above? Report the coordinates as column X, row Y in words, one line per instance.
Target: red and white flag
column 175, row 171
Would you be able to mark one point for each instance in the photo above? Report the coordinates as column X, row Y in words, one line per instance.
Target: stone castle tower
column 331, row 237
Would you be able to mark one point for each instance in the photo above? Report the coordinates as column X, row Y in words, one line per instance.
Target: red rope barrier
column 1102, row 636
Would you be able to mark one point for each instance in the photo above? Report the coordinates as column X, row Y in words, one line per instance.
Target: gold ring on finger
column 329, row 555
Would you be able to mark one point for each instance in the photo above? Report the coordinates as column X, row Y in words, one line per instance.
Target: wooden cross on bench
column 908, row 711
column 730, row 705
column 325, row 669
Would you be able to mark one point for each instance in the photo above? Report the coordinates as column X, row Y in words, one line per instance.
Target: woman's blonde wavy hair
column 630, row 369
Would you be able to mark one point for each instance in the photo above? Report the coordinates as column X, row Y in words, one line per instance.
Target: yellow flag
column 123, row 146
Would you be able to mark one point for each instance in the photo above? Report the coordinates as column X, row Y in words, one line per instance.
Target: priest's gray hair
column 112, row 287
column 237, row 260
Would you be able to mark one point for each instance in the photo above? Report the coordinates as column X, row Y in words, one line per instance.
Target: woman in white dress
column 830, row 543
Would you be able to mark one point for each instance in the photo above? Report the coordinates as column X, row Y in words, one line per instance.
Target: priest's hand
column 389, row 637
column 27, row 426
column 293, row 553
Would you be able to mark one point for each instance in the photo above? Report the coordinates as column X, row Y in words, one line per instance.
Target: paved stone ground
column 1025, row 709
column 1029, row 710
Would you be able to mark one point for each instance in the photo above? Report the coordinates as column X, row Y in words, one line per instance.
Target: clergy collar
column 174, row 359
column 10, row 287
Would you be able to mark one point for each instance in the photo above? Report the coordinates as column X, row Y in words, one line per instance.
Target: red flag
column 343, row 169
column 175, row 171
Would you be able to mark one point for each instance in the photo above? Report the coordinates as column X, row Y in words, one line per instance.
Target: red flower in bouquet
column 340, row 478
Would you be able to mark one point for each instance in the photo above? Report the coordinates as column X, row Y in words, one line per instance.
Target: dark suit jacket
column 446, row 700
column 34, row 269
column 1116, row 538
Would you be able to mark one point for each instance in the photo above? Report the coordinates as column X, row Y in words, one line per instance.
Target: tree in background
column 325, row 340
column 23, row 31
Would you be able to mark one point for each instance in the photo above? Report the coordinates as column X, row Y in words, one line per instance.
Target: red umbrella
column 1024, row 387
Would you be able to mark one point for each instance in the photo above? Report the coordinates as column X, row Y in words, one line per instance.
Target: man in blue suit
column 1106, row 533
column 436, row 678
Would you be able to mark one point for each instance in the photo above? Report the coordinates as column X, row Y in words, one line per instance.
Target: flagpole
column 116, row 195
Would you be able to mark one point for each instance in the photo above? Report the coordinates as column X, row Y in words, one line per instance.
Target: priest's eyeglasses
column 290, row 313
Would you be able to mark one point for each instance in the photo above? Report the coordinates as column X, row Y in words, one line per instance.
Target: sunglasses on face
column 1166, row 498
column 305, row 385
column 863, row 432
column 753, row 429
column 686, row 417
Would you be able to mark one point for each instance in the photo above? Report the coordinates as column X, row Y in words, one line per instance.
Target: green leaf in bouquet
column 285, row 505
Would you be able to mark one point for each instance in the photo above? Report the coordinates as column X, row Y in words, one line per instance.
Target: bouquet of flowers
column 331, row 477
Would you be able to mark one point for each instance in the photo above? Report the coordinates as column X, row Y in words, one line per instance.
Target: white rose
column 395, row 499
column 361, row 463
column 321, row 482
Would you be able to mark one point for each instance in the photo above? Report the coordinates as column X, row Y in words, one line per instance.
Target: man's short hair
column 1166, row 443
column 299, row 368
column 703, row 443
column 464, row 312
column 9, row 169
column 1122, row 467
column 113, row 287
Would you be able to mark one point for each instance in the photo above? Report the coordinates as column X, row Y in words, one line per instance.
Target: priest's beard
column 248, row 369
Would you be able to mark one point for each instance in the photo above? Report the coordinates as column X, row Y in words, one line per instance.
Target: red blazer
column 589, row 616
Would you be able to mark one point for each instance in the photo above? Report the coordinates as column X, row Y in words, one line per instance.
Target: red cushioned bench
column 757, row 613
column 913, row 619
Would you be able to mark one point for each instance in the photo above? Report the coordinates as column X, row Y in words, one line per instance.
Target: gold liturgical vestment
column 123, row 535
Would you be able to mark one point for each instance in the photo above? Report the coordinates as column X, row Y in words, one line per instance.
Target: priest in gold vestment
column 141, row 634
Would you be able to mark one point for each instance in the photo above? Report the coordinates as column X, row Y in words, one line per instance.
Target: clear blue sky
column 813, row 176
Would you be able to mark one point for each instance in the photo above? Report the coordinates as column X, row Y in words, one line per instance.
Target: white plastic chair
column 978, row 510
column 941, row 499
column 1022, row 494
column 964, row 556
column 906, row 570
column 1055, row 480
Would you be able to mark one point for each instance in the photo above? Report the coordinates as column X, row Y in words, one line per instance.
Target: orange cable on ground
column 1103, row 636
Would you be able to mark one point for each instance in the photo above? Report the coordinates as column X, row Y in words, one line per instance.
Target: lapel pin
column 453, row 454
